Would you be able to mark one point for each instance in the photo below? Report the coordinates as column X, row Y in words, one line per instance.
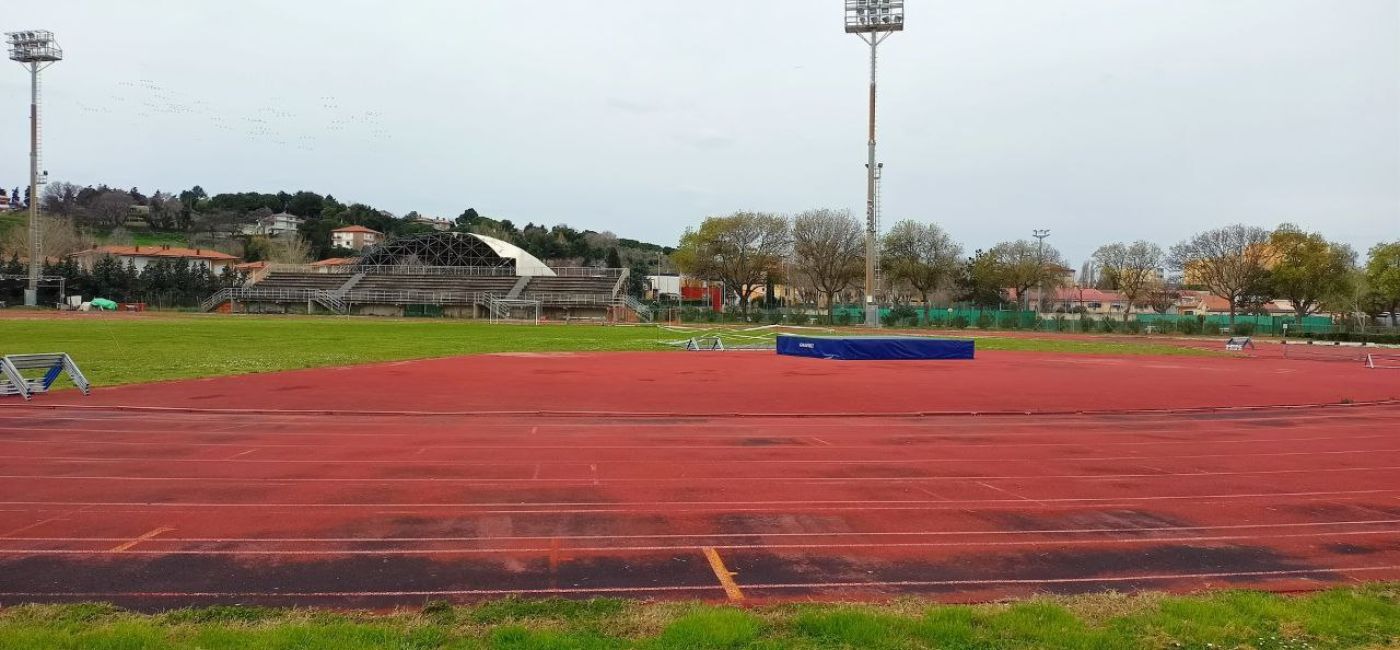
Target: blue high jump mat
column 874, row 348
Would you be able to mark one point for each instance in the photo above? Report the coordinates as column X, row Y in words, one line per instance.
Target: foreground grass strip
column 1362, row 617
column 113, row 350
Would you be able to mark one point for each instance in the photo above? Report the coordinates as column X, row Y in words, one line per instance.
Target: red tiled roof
column 1072, row 294
column 156, row 251
column 335, row 261
column 357, row 229
column 250, row 266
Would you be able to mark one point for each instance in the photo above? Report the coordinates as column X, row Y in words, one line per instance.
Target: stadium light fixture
column 873, row 21
column 35, row 49
column 866, row 16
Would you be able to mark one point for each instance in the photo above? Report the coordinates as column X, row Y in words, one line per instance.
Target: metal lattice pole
column 874, row 21
column 36, row 50
column 36, row 243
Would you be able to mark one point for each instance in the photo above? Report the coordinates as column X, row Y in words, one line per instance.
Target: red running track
column 755, row 382
column 210, row 504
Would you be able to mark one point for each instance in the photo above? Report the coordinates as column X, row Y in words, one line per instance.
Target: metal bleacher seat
column 13, row 381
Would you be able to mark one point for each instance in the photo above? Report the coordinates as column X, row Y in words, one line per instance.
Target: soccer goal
column 514, row 310
column 1324, row 352
column 1384, row 360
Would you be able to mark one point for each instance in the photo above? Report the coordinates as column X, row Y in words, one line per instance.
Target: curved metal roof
column 454, row 249
column 525, row 263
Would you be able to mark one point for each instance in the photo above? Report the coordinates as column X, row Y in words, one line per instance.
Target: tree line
column 163, row 283
column 221, row 221
column 823, row 251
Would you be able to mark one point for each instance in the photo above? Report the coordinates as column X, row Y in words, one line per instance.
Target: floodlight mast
column 35, row 49
column 873, row 21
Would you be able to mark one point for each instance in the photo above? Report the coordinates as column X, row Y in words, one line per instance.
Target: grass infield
column 112, row 349
column 1362, row 617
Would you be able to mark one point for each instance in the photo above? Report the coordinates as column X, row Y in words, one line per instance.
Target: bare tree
column 1023, row 265
column 60, row 199
column 165, row 211
column 109, row 209
column 742, row 250
column 57, row 237
column 288, row 248
column 1161, row 296
column 225, row 224
column 828, row 250
column 1132, row 269
column 1230, row 262
column 922, row 256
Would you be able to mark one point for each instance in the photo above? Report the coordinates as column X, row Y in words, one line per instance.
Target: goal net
column 518, row 311
column 1308, row 352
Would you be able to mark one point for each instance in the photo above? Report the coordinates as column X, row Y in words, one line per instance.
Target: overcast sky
column 1099, row 119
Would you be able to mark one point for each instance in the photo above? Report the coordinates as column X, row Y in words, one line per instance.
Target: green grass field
column 1364, row 617
column 148, row 238
column 10, row 220
column 119, row 350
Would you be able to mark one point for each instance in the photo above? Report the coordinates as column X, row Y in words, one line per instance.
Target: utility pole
column 1040, row 235
column 873, row 21
column 35, row 50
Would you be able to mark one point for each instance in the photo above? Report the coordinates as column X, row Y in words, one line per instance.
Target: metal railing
column 247, row 294
column 451, row 271
column 341, row 303
column 411, row 297
column 642, row 311
column 564, row 298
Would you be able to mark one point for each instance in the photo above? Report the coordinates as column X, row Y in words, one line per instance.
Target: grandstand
column 450, row 274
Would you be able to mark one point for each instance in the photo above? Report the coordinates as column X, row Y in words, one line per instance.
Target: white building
column 141, row 256
column 440, row 225
column 275, row 224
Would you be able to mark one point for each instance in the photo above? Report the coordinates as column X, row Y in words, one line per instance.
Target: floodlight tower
column 873, row 21
column 1040, row 234
column 36, row 50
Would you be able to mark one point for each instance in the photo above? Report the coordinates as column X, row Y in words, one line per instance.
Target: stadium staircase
column 349, row 284
column 519, row 287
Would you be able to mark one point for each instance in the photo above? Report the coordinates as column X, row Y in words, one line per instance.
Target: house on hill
column 356, row 237
column 274, row 224
column 141, row 256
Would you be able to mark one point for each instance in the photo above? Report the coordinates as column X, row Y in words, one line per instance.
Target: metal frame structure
column 425, row 262
column 36, row 50
column 455, row 271
column 441, row 249
column 54, row 365
column 873, row 21
column 61, row 281
column 705, row 344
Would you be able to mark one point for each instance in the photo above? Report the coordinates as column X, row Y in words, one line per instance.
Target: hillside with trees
column 220, row 221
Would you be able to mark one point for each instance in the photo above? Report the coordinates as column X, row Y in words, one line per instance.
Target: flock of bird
column 275, row 123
